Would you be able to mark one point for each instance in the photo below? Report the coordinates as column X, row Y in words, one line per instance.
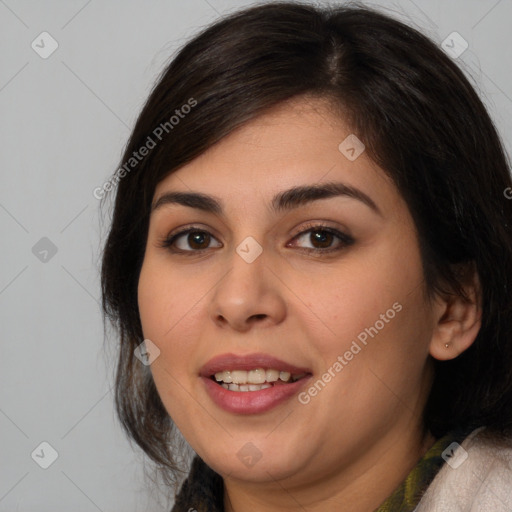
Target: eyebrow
column 283, row 201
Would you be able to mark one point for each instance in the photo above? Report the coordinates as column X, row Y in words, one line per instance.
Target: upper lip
column 248, row 362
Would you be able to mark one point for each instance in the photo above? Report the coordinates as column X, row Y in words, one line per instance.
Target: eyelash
column 344, row 239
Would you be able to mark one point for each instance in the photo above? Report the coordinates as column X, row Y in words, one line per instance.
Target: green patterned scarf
column 203, row 490
column 407, row 496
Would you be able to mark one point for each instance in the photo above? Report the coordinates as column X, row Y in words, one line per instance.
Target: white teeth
column 272, row 375
column 246, row 387
column 224, row 377
column 253, row 377
column 285, row 376
column 256, row 376
column 239, row 376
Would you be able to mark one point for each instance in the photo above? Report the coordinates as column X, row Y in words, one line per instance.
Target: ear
column 457, row 320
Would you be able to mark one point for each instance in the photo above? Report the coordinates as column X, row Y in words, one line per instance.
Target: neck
column 358, row 487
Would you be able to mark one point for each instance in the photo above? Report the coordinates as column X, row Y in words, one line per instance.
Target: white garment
column 481, row 483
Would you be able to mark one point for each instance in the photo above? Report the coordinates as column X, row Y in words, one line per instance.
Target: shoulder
column 478, row 476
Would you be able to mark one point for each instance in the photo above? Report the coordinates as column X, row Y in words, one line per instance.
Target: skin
column 355, row 441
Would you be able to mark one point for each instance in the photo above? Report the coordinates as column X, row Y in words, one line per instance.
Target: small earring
column 447, row 345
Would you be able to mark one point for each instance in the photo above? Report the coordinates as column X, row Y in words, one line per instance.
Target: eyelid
column 320, row 225
column 189, row 227
column 167, row 241
column 344, row 238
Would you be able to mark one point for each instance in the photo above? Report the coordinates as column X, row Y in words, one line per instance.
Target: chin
column 254, row 459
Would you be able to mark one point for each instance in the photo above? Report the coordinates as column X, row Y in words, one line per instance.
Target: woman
column 309, row 266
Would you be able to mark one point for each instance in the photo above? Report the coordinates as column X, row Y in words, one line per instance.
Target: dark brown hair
column 421, row 121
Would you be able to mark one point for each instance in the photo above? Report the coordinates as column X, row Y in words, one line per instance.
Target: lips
column 248, row 362
column 251, row 399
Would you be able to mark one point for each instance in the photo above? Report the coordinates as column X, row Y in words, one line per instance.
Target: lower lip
column 252, row 402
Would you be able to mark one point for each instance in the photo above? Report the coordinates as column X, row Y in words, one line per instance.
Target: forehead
column 295, row 143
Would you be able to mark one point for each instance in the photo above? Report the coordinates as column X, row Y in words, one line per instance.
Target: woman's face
column 264, row 284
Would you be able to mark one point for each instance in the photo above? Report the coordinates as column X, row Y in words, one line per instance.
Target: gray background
column 64, row 123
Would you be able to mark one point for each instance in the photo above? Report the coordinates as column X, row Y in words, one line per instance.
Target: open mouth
column 254, row 380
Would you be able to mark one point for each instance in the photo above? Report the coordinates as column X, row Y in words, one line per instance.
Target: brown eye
column 324, row 239
column 189, row 240
column 198, row 239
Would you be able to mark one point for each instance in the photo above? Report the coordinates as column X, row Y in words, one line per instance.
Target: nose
column 249, row 295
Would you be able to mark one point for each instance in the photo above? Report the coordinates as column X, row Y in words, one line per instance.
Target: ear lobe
column 459, row 322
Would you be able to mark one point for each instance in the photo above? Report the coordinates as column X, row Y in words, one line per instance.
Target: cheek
column 167, row 317
column 168, row 301
column 152, row 301
column 168, row 320
column 173, row 311
column 370, row 294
